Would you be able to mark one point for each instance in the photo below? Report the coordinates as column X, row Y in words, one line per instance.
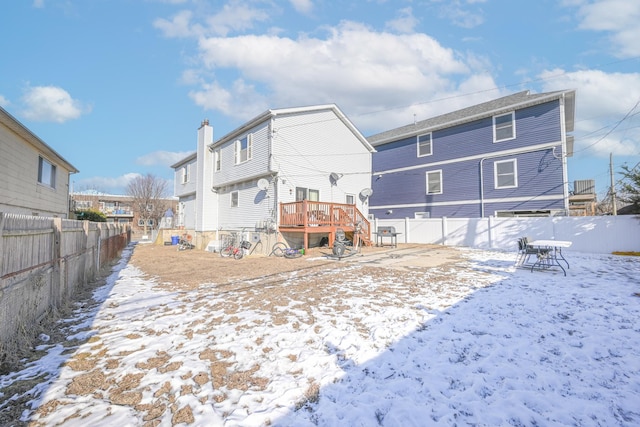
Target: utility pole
column 613, row 188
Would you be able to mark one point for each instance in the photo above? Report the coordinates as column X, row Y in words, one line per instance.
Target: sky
column 119, row 87
column 481, row 343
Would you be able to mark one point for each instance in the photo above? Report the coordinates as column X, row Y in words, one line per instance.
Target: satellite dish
column 367, row 192
column 263, row 184
column 334, row 177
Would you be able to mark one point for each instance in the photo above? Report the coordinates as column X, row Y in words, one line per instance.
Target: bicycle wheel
column 292, row 253
column 238, row 253
column 338, row 249
column 226, row 252
column 279, row 249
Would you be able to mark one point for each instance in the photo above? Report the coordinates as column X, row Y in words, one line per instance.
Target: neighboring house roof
column 186, row 160
column 497, row 106
column 633, row 209
column 269, row 114
column 12, row 123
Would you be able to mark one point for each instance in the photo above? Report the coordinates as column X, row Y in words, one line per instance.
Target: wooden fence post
column 57, row 280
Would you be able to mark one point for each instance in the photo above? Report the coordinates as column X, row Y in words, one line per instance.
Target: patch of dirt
column 190, row 268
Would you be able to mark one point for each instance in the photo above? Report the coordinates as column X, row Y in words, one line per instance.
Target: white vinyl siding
column 308, row 148
column 182, row 188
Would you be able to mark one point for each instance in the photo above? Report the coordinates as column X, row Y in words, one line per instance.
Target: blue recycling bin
column 175, row 240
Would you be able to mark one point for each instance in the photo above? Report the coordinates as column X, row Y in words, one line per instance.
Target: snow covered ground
column 481, row 344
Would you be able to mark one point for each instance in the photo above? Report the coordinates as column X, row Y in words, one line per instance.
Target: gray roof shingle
column 497, row 106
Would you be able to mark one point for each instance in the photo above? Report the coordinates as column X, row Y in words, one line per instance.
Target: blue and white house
column 297, row 170
column 506, row 157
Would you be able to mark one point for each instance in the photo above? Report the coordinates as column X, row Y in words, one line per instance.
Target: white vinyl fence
column 595, row 234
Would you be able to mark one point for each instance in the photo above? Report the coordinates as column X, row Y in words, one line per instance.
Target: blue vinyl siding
column 539, row 173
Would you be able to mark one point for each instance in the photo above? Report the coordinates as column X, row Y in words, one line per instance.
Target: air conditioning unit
column 584, row 186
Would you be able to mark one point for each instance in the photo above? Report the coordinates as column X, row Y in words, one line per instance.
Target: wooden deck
column 308, row 218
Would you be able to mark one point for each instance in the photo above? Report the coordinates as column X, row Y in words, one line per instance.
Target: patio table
column 553, row 254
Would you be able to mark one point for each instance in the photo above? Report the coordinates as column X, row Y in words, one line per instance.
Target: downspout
column 563, row 133
column 482, row 188
column 511, row 154
column 274, row 174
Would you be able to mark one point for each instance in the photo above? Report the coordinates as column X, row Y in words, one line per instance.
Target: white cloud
column 51, row 103
column 110, row 185
column 38, row 4
column 302, row 6
column 162, row 158
column 357, row 68
column 404, row 23
column 235, row 16
column 4, row 102
column 602, row 102
column 619, row 18
column 240, row 101
column 461, row 15
column 179, row 26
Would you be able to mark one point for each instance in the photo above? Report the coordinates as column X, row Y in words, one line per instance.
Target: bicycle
column 280, row 249
column 340, row 243
column 185, row 242
column 231, row 250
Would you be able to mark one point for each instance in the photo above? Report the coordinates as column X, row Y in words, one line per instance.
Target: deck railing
column 306, row 214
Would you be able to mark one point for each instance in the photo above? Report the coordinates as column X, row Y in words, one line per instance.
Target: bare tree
column 630, row 186
column 149, row 194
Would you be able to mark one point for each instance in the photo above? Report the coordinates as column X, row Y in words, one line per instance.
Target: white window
column 504, row 127
column 83, row 205
column 216, row 160
column 46, row 173
column 307, row 194
column 234, row 199
column 424, row 145
column 506, row 174
column 244, row 148
column 434, row 182
column 185, row 174
column 350, row 199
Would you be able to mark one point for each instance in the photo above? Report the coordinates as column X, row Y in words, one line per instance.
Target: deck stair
column 308, row 217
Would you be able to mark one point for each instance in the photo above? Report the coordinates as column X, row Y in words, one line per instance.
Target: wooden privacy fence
column 43, row 261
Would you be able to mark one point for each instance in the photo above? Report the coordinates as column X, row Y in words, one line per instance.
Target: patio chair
column 525, row 251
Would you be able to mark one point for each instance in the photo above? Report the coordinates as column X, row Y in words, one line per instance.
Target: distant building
column 119, row 209
column 35, row 178
column 583, row 200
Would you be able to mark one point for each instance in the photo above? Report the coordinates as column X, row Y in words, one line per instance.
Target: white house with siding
column 35, row 178
column 240, row 181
